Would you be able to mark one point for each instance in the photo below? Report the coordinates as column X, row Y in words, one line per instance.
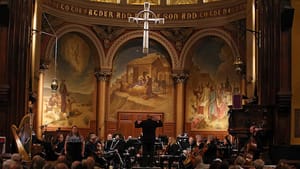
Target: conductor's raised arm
column 159, row 123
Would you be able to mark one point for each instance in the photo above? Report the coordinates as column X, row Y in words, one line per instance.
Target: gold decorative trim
column 200, row 15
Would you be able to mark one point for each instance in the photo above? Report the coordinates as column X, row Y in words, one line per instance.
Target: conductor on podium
column 148, row 138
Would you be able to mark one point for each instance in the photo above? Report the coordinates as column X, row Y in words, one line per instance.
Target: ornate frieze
column 174, row 15
column 108, row 33
column 178, row 36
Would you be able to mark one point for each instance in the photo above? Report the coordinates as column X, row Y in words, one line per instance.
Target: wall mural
column 141, row 82
column 211, row 84
column 72, row 104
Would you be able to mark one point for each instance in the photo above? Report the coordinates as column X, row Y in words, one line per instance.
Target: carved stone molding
column 102, row 75
column 108, row 33
column 43, row 67
column 178, row 36
column 180, row 77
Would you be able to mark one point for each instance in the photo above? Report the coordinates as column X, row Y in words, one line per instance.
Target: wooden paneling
column 169, row 129
column 219, row 134
column 110, row 127
column 126, row 122
column 3, row 55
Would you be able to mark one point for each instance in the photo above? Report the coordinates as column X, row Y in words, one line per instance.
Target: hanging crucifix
column 144, row 16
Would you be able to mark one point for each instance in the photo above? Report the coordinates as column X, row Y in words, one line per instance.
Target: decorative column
column 180, row 79
column 39, row 112
column 102, row 80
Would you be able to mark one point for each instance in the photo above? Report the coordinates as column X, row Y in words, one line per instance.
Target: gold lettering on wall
column 115, row 14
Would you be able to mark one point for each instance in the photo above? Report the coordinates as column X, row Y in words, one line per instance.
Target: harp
column 15, row 131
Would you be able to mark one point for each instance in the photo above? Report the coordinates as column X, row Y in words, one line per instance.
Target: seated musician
column 74, row 145
column 192, row 143
column 93, row 148
column 254, row 144
column 59, row 145
column 114, row 155
column 199, row 142
column 210, row 150
column 172, row 153
column 108, row 141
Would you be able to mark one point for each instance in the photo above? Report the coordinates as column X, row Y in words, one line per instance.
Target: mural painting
column 72, row 103
column 211, row 84
column 141, row 82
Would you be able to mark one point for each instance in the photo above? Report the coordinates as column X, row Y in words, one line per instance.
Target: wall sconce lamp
column 54, row 82
column 238, row 64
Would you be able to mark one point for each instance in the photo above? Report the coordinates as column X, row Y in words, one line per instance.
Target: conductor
column 148, row 138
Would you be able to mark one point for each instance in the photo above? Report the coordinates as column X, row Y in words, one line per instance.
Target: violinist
column 172, row 153
column 199, row 142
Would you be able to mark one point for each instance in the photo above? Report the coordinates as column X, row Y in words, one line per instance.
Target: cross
column 143, row 16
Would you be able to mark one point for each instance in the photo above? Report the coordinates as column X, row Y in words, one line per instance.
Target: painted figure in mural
column 53, row 103
column 63, row 94
column 212, row 104
column 149, row 87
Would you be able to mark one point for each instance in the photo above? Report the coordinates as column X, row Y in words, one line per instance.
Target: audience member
column 49, row 165
column 37, row 162
column 77, row 165
column 61, row 166
column 11, row 164
column 258, row 164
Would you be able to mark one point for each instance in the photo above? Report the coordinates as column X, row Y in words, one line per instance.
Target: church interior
column 209, row 68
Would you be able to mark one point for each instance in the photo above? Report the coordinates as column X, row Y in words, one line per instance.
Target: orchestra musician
column 172, row 153
column 210, row 150
column 148, row 138
column 254, row 144
column 192, row 143
column 59, row 144
column 108, row 141
column 199, row 142
column 93, row 146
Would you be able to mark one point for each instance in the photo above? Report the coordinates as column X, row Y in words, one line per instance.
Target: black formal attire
column 74, row 147
column 173, row 152
column 91, row 149
column 148, row 139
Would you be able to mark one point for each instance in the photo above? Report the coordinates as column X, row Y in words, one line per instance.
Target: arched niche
column 141, row 82
column 79, row 54
column 138, row 34
column 212, row 80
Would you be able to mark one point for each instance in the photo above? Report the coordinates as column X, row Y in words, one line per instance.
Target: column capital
column 180, row 77
column 102, row 75
column 43, row 67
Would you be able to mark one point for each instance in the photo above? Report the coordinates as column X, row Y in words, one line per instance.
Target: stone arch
column 207, row 32
column 85, row 31
column 136, row 34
